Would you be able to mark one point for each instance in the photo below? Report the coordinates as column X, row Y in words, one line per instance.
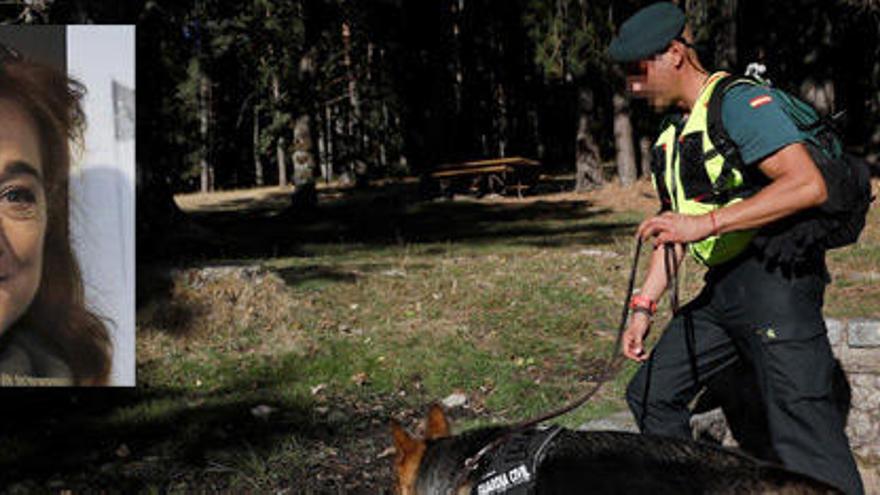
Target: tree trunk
column 352, row 83
column 321, row 136
column 328, row 143
column 258, row 165
column 282, row 161
column 501, row 124
column 725, row 47
column 303, row 157
column 645, row 150
column 587, row 160
column 304, row 168
column 157, row 215
column 383, row 153
column 303, row 164
column 457, row 6
column 623, row 141
column 355, row 123
column 535, row 124
column 820, row 94
column 205, row 162
column 343, row 167
column 366, row 144
column 279, row 145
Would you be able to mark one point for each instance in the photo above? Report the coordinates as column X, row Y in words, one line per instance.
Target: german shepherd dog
column 595, row 462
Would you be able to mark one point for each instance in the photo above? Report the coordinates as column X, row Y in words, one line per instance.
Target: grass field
column 279, row 370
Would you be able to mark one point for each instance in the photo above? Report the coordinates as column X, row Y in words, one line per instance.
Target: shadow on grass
column 317, row 275
column 306, row 275
column 127, row 440
column 388, row 216
column 370, row 220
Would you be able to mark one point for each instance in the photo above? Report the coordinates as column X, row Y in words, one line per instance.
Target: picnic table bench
column 497, row 175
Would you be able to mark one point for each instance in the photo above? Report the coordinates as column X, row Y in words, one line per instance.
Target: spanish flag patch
column 760, row 100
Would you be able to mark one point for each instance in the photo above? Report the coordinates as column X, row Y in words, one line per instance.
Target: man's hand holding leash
column 666, row 228
column 634, row 337
column 669, row 227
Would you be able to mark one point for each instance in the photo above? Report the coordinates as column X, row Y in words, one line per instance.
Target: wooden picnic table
column 497, row 175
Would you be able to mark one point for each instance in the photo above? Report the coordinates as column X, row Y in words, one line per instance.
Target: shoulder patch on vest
column 760, row 100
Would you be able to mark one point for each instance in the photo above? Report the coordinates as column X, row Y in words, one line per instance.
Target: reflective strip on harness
column 501, row 483
column 512, row 468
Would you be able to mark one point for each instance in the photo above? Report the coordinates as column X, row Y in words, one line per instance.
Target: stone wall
column 856, row 343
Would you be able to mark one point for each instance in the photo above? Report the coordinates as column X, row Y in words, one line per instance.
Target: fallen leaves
column 598, row 253
column 263, row 411
column 122, row 451
column 360, row 379
column 388, row 452
column 454, row 400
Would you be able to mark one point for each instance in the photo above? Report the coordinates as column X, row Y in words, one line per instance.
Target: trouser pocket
column 797, row 370
column 806, row 425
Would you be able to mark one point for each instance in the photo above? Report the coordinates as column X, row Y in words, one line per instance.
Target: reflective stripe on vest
column 689, row 178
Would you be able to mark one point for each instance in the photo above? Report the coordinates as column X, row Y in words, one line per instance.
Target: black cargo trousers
column 774, row 324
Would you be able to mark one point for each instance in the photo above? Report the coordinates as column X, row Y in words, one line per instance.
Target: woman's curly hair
column 58, row 312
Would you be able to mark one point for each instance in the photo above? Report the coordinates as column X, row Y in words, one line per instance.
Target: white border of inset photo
column 102, row 184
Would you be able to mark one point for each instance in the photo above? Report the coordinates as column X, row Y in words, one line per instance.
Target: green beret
column 647, row 32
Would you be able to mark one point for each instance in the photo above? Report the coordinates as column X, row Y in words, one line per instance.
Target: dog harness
column 512, row 468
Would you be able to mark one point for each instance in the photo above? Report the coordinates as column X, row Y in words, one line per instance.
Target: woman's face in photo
column 22, row 212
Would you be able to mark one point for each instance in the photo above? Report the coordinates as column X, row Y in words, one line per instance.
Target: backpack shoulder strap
column 670, row 125
column 674, row 120
column 718, row 135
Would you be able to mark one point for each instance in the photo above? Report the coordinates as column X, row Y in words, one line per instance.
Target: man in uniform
column 768, row 317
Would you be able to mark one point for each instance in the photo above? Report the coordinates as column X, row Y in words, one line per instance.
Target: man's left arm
column 796, row 184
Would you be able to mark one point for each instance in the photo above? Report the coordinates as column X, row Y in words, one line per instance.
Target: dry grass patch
column 232, row 309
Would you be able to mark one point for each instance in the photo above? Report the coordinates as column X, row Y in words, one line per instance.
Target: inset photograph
column 67, row 149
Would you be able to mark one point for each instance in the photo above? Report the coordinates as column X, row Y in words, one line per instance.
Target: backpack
column 837, row 222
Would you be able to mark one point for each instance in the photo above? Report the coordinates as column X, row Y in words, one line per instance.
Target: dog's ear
column 438, row 426
column 403, row 442
column 410, row 451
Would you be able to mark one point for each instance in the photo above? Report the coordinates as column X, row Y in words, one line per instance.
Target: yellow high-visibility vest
column 686, row 173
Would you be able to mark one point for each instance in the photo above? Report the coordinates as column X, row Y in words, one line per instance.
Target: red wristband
column 640, row 301
column 714, row 224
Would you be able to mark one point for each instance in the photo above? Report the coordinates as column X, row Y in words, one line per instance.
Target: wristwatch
column 640, row 303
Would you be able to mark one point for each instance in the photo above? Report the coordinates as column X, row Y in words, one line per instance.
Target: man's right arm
column 655, row 279
column 653, row 287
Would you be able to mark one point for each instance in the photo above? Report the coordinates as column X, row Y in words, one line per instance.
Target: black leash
column 671, row 268
column 611, row 369
column 613, row 363
column 672, row 277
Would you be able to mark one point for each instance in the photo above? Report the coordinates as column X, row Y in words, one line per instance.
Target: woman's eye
column 19, row 202
column 20, row 195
